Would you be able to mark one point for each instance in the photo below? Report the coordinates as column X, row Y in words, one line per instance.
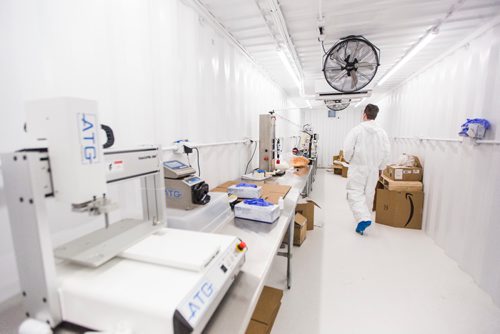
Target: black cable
column 109, row 135
column 198, row 160
column 189, row 161
column 251, row 158
column 323, row 46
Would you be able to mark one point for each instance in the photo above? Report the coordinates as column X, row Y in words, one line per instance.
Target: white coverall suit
column 367, row 150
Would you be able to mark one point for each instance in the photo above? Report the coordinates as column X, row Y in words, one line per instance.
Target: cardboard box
column 399, row 208
column 377, row 187
column 401, row 185
column 337, row 169
column 401, row 173
column 306, row 209
column 300, row 229
column 271, row 192
column 266, row 311
column 255, row 327
column 345, row 170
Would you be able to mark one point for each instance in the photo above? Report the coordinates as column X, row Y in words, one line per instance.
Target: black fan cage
column 351, row 64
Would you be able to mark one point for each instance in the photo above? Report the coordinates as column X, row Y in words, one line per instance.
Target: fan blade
column 340, row 75
column 331, row 69
column 366, row 51
column 354, row 76
column 335, row 58
column 355, row 53
column 365, row 65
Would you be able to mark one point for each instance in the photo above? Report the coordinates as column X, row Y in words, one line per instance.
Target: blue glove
column 248, row 185
column 257, row 202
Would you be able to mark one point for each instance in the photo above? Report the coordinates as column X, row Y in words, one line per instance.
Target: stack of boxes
column 400, row 198
column 340, row 166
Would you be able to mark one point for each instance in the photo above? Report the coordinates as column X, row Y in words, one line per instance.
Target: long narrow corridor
column 388, row 281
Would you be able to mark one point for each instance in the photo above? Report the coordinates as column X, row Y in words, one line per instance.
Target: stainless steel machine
column 133, row 275
column 269, row 145
column 183, row 189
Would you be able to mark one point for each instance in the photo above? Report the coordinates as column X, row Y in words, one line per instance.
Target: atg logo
column 90, row 149
column 173, row 193
column 200, row 300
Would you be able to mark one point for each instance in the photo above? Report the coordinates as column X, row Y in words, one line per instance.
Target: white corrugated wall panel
column 158, row 72
column 461, row 181
column 332, row 131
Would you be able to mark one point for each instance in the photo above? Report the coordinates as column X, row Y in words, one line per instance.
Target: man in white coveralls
column 367, row 150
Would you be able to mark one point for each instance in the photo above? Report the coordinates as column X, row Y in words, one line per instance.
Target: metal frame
column 24, row 176
column 28, row 181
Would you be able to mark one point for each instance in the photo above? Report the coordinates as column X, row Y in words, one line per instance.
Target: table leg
column 289, row 253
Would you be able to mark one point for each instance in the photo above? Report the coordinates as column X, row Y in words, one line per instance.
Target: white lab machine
column 183, row 189
column 134, row 274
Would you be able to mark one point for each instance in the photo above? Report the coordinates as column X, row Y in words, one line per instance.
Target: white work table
column 263, row 240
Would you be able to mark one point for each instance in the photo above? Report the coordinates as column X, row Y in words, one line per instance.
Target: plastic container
column 205, row 218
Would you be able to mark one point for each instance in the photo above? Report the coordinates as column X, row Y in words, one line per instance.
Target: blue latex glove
column 248, row 185
column 257, row 202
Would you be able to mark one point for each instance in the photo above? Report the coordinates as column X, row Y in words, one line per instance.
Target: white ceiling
column 392, row 25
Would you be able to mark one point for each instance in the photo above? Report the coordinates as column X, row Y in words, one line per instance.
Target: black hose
column 251, row 158
column 109, row 135
column 198, row 160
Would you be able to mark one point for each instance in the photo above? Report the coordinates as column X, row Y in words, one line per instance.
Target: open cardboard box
column 266, row 311
column 271, row 192
column 306, row 209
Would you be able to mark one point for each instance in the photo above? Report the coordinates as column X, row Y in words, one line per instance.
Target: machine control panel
column 174, row 169
column 192, row 180
column 195, row 310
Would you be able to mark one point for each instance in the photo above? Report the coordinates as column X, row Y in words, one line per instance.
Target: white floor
column 388, row 281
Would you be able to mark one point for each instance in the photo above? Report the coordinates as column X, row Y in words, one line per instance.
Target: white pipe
column 491, row 142
column 222, row 143
column 168, row 148
column 243, row 141
column 458, row 140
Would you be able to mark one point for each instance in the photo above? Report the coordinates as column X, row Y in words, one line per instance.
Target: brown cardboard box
column 307, row 210
column 266, row 311
column 401, row 185
column 401, row 173
column 300, row 229
column 255, row 327
column 271, row 192
column 400, row 209
column 337, row 169
column 345, row 170
column 377, row 187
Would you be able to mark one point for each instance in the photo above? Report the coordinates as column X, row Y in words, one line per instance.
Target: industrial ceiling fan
column 337, row 105
column 351, row 64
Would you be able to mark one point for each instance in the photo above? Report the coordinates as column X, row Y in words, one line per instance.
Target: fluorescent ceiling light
column 358, row 104
column 410, row 54
column 288, row 66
